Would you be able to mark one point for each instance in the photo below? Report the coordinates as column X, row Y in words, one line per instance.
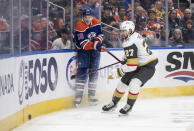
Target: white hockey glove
column 116, row 73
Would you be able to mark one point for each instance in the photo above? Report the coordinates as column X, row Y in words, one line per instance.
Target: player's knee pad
column 134, row 86
column 121, row 87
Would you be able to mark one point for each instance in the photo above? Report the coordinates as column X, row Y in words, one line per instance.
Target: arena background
column 35, row 80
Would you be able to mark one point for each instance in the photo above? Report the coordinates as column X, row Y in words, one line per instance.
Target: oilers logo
column 71, row 71
column 91, row 35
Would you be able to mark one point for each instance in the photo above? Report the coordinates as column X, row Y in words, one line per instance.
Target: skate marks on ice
column 166, row 114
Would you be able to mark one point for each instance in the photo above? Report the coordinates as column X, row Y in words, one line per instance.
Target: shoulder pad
column 80, row 26
column 95, row 21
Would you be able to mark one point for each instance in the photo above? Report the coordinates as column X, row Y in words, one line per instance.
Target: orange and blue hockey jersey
column 85, row 35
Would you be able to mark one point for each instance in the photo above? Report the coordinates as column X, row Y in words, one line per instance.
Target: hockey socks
column 115, row 99
column 130, row 102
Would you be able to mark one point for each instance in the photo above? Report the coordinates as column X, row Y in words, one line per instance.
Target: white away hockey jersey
column 137, row 52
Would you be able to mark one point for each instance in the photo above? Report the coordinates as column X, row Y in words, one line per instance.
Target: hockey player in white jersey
column 137, row 70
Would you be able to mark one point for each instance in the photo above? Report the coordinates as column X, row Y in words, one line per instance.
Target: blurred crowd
column 151, row 21
column 37, row 32
column 53, row 31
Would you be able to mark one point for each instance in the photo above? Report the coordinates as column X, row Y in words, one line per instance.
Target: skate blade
column 93, row 103
column 111, row 110
column 77, row 105
column 122, row 115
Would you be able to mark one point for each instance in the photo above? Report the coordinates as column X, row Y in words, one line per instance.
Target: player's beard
column 124, row 36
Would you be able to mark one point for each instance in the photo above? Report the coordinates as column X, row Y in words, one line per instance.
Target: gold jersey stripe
column 148, row 61
column 133, row 61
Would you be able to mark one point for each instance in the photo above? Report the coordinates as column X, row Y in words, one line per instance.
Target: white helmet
column 126, row 25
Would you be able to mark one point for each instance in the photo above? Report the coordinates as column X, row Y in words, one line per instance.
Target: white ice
column 164, row 114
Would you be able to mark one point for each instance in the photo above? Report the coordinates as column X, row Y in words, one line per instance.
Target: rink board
column 37, row 83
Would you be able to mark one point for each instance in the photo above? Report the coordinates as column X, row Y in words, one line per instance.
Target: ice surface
column 164, row 114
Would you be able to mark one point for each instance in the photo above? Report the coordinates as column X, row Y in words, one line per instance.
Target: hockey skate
column 124, row 111
column 77, row 102
column 109, row 107
column 92, row 101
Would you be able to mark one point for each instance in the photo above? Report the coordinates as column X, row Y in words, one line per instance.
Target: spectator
column 4, row 26
column 53, row 13
column 141, row 23
column 95, row 7
column 153, row 23
column 121, row 16
column 4, row 36
column 142, row 28
column 147, row 4
column 107, row 18
column 127, row 4
column 52, row 33
column 77, row 12
column 163, row 37
column 158, row 8
column 63, row 42
column 58, row 25
column 113, row 6
column 188, row 33
column 180, row 14
column 187, row 16
column 140, row 12
column 39, row 42
column 174, row 22
column 36, row 23
column 137, row 3
column 113, row 41
column 80, row 2
column 24, row 33
column 176, row 39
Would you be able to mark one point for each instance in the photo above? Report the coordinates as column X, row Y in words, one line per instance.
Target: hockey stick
column 122, row 62
column 74, row 76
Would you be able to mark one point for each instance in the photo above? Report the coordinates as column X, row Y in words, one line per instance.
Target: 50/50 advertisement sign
column 37, row 76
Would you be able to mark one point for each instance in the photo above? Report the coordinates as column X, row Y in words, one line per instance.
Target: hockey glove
column 99, row 46
column 123, row 60
column 117, row 73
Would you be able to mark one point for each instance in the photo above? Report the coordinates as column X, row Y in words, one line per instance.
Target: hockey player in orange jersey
column 88, row 38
